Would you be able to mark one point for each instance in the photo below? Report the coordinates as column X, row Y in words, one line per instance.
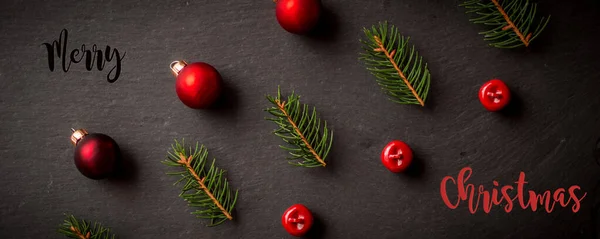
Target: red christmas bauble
column 198, row 85
column 297, row 220
column 96, row 155
column 396, row 156
column 494, row 95
column 298, row 16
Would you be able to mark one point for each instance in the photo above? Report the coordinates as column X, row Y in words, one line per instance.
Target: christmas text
column 506, row 195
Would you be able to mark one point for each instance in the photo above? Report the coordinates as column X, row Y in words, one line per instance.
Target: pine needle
column 400, row 71
column 513, row 23
column 204, row 187
column 81, row 229
column 309, row 140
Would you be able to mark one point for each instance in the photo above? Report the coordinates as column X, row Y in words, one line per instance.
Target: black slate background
column 550, row 134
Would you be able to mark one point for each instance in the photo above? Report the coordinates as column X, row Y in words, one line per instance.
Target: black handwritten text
column 92, row 56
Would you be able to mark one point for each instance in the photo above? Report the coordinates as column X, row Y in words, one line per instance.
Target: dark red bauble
column 298, row 16
column 96, row 155
column 494, row 95
column 198, row 85
column 396, row 156
column 297, row 220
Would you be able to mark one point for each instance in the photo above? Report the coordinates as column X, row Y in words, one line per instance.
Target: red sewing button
column 494, row 95
column 396, row 156
column 297, row 220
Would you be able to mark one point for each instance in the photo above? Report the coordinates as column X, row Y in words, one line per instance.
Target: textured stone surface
column 550, row 134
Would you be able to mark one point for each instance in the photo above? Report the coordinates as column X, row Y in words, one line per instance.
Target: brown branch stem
column 78, row 233
column 524, row 39
column 281, row 106
column 187, row 162
column 390, row 57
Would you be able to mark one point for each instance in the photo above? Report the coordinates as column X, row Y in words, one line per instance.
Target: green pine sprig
column 400, row 71
column 309, row 139
column 513, row 22
column 81, row 229
column 205, row 185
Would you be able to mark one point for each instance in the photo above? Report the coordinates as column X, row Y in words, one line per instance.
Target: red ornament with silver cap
column 96, row 155
column 396, row 156
column 297, row 220
column 198, row 84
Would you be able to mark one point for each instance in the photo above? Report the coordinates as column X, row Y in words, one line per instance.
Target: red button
column 494, row 95
column 396, row 156
column 297, row 220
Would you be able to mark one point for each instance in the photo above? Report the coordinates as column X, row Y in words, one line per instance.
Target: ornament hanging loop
column 177, row 66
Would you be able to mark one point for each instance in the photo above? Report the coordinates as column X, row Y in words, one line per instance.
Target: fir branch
column 518, row 16
column 399, row 69
column 205, row 188
column 301, row 129
column 81, row 229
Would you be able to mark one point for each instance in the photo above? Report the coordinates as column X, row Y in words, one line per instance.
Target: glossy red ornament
column 297, row 220
column 396, row 156
column 298, row 16
column 494, row 95
column 198, row 85
column 96, row 155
